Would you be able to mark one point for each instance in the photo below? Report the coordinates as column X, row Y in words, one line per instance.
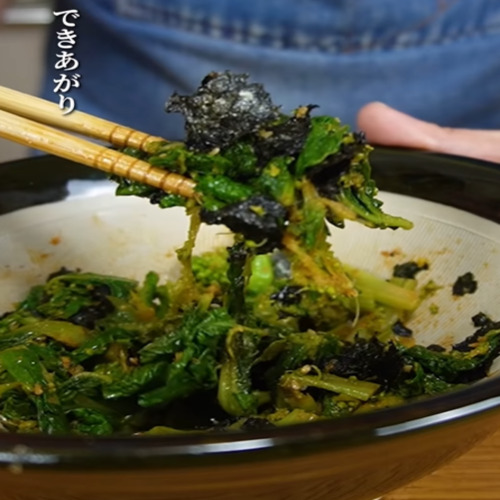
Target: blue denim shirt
column 436, row 59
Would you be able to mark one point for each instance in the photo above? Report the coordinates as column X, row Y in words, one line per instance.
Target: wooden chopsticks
column 25, row 119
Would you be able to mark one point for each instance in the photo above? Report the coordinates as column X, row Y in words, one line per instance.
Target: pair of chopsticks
column 30, row 121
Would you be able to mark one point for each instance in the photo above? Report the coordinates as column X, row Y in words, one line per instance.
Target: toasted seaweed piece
column 480, row 319
column 484, row 325
column 466, row 345
column 370, row 360
column 87, row 316
column 60, row 272
column 409, row 269
column 224, row 108
column 258, row 218
column 285, row 137
column 436, row 348
column 401, row 330
column 459, row 367
column 464, row 284
column 256, row 424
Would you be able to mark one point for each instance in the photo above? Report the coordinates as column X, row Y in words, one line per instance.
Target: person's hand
column 388, row 127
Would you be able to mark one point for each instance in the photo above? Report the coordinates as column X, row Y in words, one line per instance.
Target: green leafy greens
column 271, row 331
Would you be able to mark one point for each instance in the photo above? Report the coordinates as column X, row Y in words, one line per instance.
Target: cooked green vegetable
column 272, row 331
column 268, row 355
column 252, row 163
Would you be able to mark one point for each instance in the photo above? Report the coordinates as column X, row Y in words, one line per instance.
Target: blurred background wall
column 22, row 40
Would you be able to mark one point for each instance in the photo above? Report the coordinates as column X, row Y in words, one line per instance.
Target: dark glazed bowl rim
column 463, row 183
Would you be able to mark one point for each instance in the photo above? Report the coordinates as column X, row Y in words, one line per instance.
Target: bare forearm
column 386, row 126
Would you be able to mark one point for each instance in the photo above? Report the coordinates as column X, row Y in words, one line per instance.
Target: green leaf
column 207, row 164
column 277, row 181
column 101, row 341
column 192, row 351
column 138, row 379
column 223, row 189
column 118, row 287
column 235, row 392
column 81, row 384
column 25, row 367
column 62, row 331
column 148, row 291
column 324, row 139
column 242, row 162
column 90, row 422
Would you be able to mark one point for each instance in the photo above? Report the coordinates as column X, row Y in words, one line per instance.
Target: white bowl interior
column 127, row 236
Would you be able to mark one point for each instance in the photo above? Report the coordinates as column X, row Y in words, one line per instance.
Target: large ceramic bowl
column 56, row 213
